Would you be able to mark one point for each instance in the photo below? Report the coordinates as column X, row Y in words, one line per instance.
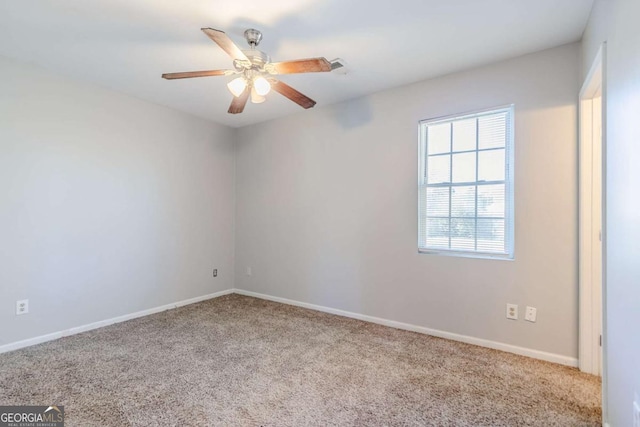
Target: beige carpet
column 240, row 361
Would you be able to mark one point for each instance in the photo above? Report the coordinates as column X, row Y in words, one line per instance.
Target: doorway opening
column 592, row 254
column 591, row 208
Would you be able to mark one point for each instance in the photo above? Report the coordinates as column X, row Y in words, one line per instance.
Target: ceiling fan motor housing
column 257, row 57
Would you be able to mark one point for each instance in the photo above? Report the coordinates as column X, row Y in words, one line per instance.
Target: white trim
column 586, row 350
column 467, row 114
column 84, row 328
column 536, row 354
column 596, row 80
column 591, row 307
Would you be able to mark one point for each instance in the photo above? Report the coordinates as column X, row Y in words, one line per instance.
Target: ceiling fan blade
column 238, row 102
column 297, row 97
column 223, row 40
column 311, row 65
column 190, row 74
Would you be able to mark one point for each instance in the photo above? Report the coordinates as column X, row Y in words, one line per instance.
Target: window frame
column 509, row 183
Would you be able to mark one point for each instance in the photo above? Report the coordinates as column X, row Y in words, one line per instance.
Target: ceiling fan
column 255, row 71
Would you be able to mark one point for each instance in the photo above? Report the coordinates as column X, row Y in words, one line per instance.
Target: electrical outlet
column 22, row 306
column 512, row 311
column 636, row 413
column 531, row 315
column 249, row 273
column 215, row 272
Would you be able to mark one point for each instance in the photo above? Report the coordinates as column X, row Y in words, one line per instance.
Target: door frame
column 592, row 307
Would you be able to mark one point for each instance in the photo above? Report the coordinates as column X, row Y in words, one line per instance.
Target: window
column 466, row 185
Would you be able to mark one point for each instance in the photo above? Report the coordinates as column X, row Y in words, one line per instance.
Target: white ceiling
column 126, row 45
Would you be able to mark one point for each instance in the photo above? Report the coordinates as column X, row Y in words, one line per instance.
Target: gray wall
column 616, row 22
column 327, row 203
column 109, row 205
column 100, row 224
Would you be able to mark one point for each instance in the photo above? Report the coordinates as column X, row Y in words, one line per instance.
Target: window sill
column 463, row 254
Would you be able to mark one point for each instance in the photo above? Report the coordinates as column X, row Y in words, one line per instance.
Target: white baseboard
column 78, row 329
column 536, row 354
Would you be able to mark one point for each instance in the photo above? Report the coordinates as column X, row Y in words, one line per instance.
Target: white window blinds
column 466, row 184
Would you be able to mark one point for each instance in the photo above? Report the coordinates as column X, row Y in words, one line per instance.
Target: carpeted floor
column 240, row 361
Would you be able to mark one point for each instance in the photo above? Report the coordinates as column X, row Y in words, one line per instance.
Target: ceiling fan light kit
column 237, row 86
column 261, row 85
column 253, row 73
column 256, row 98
